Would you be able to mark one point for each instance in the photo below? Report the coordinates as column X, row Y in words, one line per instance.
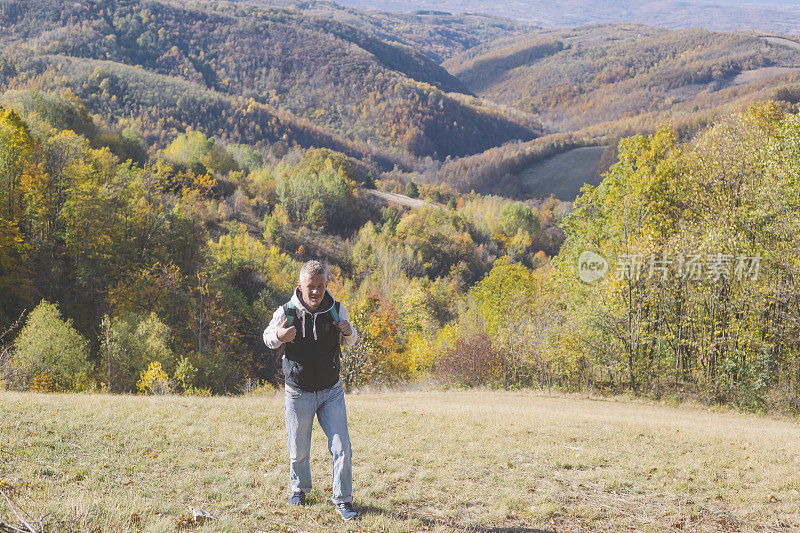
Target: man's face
column 313, row 289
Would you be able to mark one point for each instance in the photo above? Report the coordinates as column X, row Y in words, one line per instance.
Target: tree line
column 131, row 268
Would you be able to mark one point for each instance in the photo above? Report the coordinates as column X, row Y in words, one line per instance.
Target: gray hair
column 313, row 268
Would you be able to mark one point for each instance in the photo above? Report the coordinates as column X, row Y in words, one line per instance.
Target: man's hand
column 286, row 334
column 345, row 327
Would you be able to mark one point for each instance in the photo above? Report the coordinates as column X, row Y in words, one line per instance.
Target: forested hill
column 158, row 193
column 438, row 34
column 247, row 75
column 577, row 77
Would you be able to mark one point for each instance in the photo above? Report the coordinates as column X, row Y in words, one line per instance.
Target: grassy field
column 563, row 174
column 440, row 461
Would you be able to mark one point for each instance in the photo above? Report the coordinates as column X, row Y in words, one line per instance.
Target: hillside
column 591, row 75
column 719, row 15
column 435, row 33
column 272, row 75
column 597, row 84
column 166, row 169
column 563, row 174
column 343, row 80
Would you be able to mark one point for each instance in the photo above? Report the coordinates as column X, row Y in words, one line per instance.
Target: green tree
column 508, row 291
column 315, row 180
column 246, row 157
column 129, row 344
column 50, row 345
column 316, row 215
column 184, row 376
column 435, row 240
column 517, row 216
column 275, row 226
column 16, row 161
column 199, row 153
column 15, row 282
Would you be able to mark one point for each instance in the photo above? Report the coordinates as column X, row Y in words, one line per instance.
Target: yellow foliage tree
column 154, row 380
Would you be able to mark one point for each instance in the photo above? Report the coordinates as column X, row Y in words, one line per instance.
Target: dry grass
column 563, row 174
column 476, row 461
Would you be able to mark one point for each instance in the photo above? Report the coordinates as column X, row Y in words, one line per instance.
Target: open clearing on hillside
column 563, row 175
column 782, row 41
column 392, row 197
column 440, row 461
column 751, row 76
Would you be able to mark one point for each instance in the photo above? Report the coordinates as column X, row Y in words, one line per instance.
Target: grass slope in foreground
column 422, row 460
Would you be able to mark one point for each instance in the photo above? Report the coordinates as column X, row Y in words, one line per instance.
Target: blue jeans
column 328, row 405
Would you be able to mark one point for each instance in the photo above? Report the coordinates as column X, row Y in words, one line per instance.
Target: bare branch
column 13, row 326
column 22, row 520
column 5, row 528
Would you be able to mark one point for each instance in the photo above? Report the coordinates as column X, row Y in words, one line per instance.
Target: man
column 312, row 326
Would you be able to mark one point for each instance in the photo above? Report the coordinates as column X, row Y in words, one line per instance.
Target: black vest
column 308, row 364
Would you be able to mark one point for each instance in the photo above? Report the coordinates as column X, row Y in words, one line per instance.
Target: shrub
column 417, row 356
column 375, row 358
column 154, row 380
column 471, row 362
column 50, row 346
column 184, row 375
column 129, row 344
column 43, row 382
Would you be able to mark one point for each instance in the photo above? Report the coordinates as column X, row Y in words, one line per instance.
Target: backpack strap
column 335, row 312
column 290, row 312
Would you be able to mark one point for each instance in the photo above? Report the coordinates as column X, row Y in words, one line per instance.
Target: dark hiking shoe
column 298, row 498
column 346, row 510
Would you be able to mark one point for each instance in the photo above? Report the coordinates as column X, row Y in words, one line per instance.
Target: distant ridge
column 781, row 16
column 578, row 77
column 251, row 74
